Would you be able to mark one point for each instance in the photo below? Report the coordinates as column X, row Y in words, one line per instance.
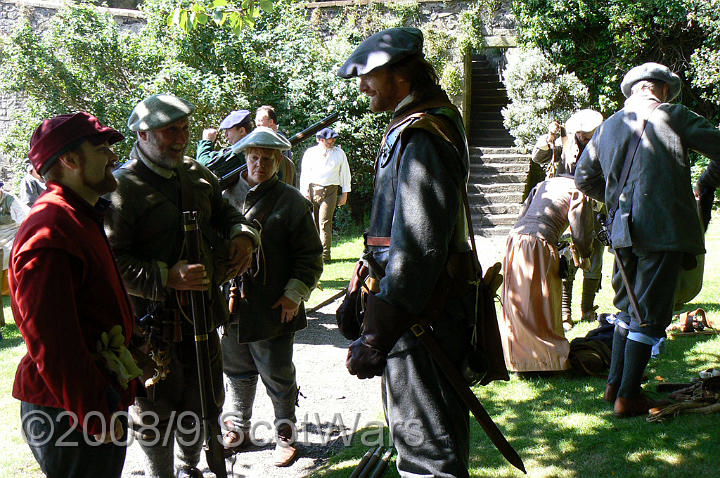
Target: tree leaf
column 202, row 18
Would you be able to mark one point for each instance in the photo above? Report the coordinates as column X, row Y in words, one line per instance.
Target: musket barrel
column 363, row 462
column 210, row 428
column 374, row 459
column 382, row 465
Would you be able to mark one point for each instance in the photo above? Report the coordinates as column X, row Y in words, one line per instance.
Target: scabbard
column 457, row 381
column 629, row 289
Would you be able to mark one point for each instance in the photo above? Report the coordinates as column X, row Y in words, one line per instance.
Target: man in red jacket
column 70, row 304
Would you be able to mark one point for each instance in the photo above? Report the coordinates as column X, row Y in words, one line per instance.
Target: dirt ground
column 335, row 404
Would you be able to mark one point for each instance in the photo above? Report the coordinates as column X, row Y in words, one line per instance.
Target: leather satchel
column 351, row 313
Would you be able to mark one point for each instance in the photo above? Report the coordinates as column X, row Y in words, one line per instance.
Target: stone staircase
column 497, row 170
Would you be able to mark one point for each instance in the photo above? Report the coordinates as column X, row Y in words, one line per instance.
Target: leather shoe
column 639, row 405
column 611, row 392
column 189, row 473
column 235, row 440
column 285, row 451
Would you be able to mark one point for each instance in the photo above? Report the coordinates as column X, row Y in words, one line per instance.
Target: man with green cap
column 266, row 303
column 417, row 225
column 637, row 163
column 144, row 226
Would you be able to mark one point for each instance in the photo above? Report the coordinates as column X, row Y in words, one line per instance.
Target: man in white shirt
column 325, row 181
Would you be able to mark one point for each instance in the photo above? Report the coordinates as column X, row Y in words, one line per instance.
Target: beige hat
column 262, row 137
column 584, row 121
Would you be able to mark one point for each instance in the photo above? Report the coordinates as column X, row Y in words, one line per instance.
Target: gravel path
column 335, row 405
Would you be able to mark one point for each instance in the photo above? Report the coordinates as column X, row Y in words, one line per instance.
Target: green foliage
column 84, row 61
column 81, row 62
column 540, row 92
column 237, row 15
column 472, row 23
column 600, row 40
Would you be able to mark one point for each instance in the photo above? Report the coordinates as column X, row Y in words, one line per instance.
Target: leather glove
column 706, row 199
column 364, row 360
column 382, row 327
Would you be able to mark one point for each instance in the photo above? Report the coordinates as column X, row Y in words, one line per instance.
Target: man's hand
column 554, row 129
column 364, row 360
column 289, row 308
column 184, row 276
column 118, row 432
column 241, row 250
column 210, row 134
column 706, row 199
column 342, row 199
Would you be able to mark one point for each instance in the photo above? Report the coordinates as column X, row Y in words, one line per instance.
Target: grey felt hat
column 262, row 137
column 158, row 111
column 382, row 49
column 651, row 71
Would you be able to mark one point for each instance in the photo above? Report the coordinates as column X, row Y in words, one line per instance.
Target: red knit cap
column 56, row 133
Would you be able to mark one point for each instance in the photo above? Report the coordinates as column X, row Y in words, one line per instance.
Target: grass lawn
column 559, row 425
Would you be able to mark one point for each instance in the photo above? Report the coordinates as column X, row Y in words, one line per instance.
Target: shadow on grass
column 561, row 427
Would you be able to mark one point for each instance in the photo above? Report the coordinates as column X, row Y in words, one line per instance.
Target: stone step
column 491, row 231
column 495, row 187
column 510, row 197
column 486, row 114
column 493, row 210
column 489, row 131
column 499, row 142
column 483, row 150
column 486, row 84
column 492, row 104
column 487, row 121
column 490, row 169
column 505, row 178
column 482, row 220
column 484, row 158
column 486, row 91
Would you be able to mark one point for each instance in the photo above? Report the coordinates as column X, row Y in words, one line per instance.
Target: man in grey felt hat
column 264, row 318
column 417, row 228
column 654, row 223
column 144, row 227
column 235, row 127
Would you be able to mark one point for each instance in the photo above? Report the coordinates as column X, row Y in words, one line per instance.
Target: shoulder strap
column 632, row 149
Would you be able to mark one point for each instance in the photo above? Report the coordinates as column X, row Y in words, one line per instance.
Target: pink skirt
column 531, row 327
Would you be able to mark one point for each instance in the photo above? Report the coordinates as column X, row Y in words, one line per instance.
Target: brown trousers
column 324, row 201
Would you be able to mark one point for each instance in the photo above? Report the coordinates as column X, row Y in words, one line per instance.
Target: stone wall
column 39, row 12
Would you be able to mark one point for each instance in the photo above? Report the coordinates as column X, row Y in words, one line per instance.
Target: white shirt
column 324, row 167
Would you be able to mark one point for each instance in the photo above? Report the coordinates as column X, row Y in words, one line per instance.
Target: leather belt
column 378, row 241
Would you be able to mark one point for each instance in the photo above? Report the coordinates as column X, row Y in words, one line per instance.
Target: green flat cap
column 382, row 49
column 158, row 111
column 262, row 137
